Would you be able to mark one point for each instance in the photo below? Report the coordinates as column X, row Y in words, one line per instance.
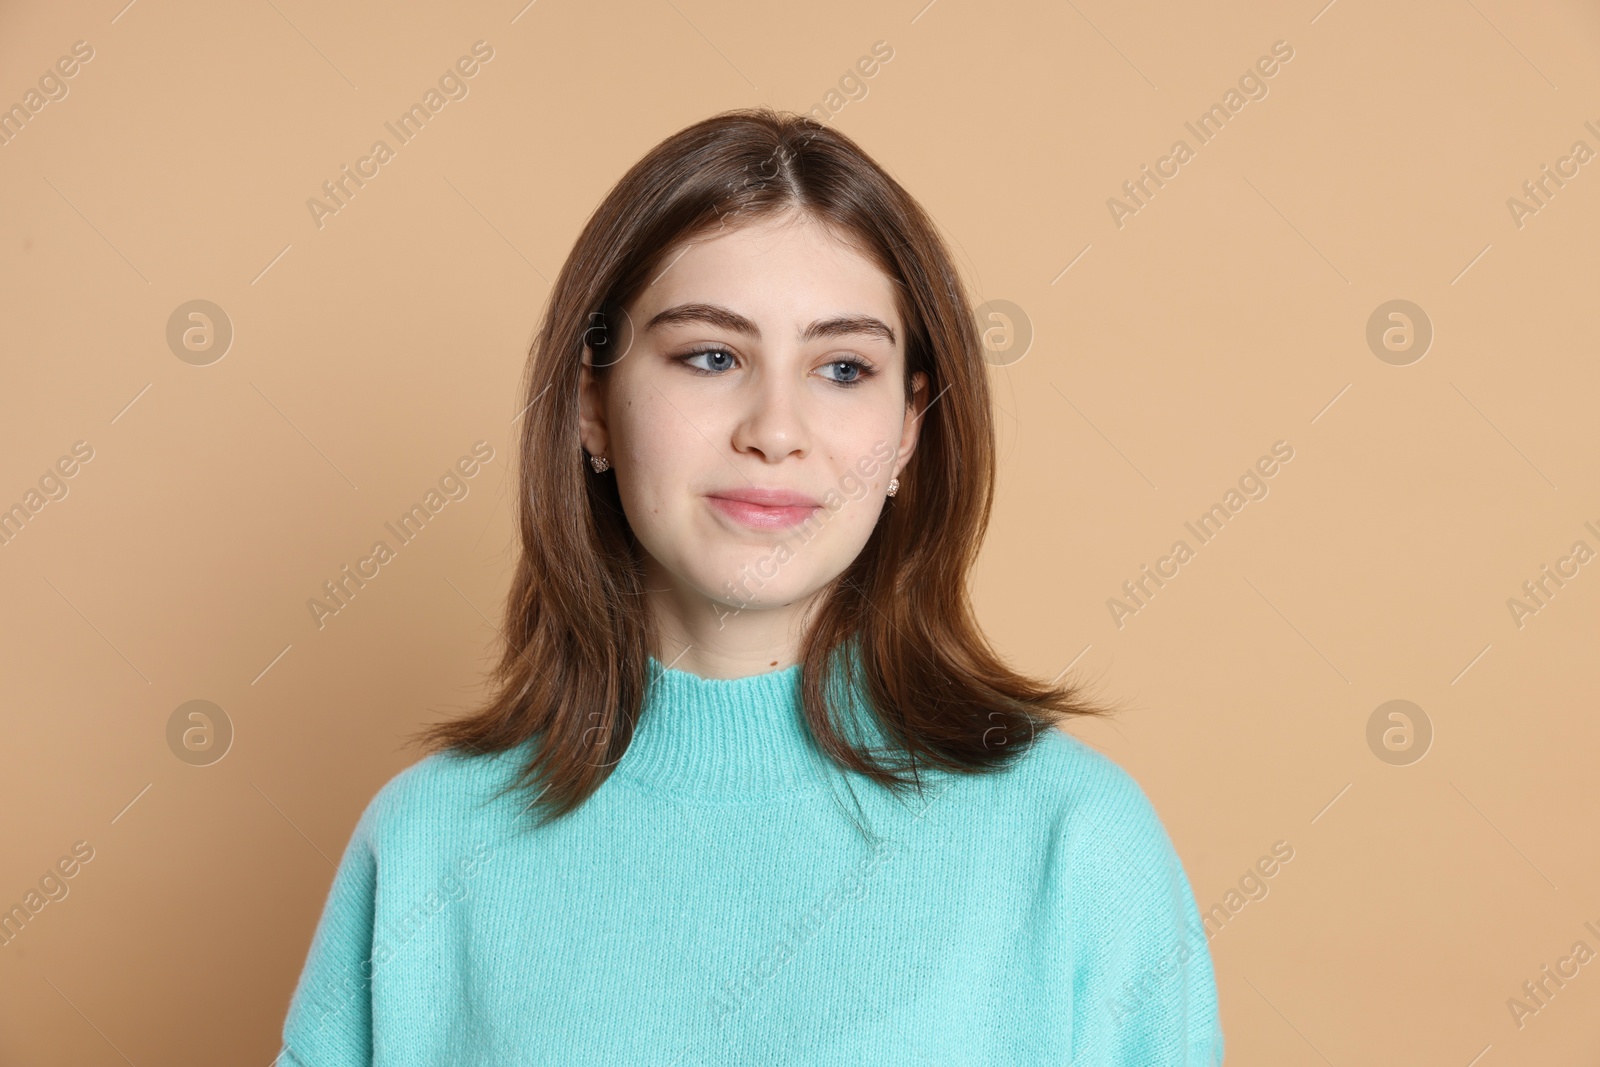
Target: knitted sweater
column 712, row 903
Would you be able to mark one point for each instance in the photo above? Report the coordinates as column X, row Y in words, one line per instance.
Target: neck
column 724, row 637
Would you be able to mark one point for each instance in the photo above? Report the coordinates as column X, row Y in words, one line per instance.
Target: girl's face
column 754, row 416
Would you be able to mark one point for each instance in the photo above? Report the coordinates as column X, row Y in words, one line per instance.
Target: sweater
column 714, row 902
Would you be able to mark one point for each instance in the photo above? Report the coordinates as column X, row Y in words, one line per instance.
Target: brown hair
column 577, row 629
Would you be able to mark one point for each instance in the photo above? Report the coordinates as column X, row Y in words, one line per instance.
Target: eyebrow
column 727, row 319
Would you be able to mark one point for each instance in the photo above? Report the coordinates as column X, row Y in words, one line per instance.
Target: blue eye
column 706, row 352
column 856, row 367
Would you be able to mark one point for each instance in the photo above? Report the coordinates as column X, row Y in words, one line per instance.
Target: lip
column 764, row 509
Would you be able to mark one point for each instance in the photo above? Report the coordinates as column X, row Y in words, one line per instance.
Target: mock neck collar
column 724, row 739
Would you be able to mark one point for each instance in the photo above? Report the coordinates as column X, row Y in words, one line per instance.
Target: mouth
column 764, row 509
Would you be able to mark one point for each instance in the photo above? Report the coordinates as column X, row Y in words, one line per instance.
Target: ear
column 916, row 405
column 592, row 432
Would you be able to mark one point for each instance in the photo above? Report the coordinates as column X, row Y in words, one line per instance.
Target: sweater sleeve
column 329, row 1023
column 1143, row 989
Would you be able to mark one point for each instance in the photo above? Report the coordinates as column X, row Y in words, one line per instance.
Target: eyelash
column 864, row 369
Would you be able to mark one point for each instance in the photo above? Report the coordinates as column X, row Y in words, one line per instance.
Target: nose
column 773, row 422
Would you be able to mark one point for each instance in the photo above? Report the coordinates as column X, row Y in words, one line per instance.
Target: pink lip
column 764, row 509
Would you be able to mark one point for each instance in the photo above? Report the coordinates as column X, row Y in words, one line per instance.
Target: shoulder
column 1084, row 781
column 1102, row 818
column 1113, row 868
column 439, row 797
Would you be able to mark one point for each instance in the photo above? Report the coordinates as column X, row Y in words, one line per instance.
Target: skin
column 774, row 413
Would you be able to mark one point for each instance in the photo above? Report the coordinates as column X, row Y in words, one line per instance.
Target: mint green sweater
column 713, row 904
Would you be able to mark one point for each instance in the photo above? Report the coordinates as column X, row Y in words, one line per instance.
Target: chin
column 747, row 587
column 754, row 594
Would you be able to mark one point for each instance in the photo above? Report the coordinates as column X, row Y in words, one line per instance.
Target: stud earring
column 894, row 486
column 599, row 463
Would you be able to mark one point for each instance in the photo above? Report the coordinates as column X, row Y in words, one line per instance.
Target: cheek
column 659, row 460
column 865, row 460
column 646, row 487
column 859, row 479
column 860, row 506
column 653, row 420
column 645, row 430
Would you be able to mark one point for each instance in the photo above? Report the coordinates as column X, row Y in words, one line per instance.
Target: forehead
column 791, row 266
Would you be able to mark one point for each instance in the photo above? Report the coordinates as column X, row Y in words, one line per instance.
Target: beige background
column 1229, row 313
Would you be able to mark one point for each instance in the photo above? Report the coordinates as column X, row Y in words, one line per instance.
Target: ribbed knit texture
column 713, row 904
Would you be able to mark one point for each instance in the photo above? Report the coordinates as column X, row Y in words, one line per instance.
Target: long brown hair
column 577, row 631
